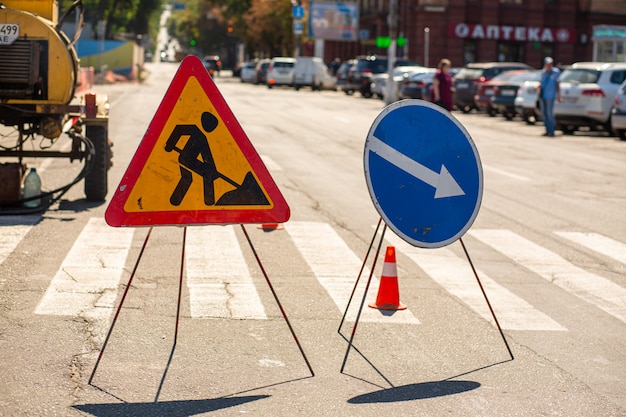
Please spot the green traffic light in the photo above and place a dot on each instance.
(192, 42)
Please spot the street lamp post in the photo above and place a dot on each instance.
(392, 20)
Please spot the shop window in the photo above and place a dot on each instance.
(510, 52)
(469, 52)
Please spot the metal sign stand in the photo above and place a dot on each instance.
(367, 285)
(130, 280)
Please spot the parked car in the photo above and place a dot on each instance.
(618, 115)
(361, 75)
(503, 99)
(248, 74)
(261, 70)
(312, 72)
(588, 92)
(342, 76)
(213, 64)
(280, 71)
(400, 74)
(527, 102)
(418, 85)
(470, 77)
(488, 89)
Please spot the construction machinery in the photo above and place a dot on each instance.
(39, 78)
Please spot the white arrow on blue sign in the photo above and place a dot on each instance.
(423, 173)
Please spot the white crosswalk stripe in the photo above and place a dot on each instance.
(456, 276)
(220, 284)
(592, 288)
(11, 235)
(336, 267)
(218, 278)
(86, 283)
(598, 243)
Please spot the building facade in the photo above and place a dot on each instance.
(467, 31)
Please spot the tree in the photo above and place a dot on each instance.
(269, 27)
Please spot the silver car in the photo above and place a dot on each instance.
(587, 94)
(618, 116)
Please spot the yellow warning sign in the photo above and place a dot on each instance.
(195, 165)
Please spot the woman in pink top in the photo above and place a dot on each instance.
(441, 93)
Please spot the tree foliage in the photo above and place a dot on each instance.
(131, 17)
(269, 27)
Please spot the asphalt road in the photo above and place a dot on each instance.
(549, 245)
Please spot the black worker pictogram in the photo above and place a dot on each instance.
(196, 157)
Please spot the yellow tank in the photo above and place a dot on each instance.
(39, 65)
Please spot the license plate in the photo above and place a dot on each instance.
(508, 92)
(462, 85)
(9, 32)
(489, 91)
(569, 100)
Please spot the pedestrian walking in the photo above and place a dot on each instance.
(549, 92)
(441, 92)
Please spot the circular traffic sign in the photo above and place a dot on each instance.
(423, 173)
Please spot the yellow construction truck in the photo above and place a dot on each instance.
(39, 76)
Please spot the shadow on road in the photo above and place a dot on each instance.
(166, 408)
(415, 392)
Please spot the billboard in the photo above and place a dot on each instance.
(334, 21)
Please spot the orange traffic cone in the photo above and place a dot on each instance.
(388, 297)
(268, 227)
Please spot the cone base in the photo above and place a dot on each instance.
(268, 227)
(398, 306)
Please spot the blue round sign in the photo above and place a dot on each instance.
(423, 173)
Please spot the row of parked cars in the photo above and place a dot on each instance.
(286, 71)
(593, 94)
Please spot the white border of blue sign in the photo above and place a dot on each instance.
(423, 173)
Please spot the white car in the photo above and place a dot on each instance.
(527, 102)
(588, 91)
(248, 72)
(618, 116)
(312, 72)
(280, 71)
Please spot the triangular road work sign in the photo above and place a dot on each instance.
(195, 164)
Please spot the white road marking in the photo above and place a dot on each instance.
(218, 277)
(270, 164)
(592, 288)
(598, 243)
(11, 235)
(455, 275)
(336, 268)
(86, 284)
(505, 173)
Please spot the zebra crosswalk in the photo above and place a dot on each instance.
(87, 281)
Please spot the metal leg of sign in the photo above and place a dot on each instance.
(180, 292)
(280, 306)
(119, 307)
(493, 314)
(369, 249)
(367, 286)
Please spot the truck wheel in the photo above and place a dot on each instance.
(96, 184)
